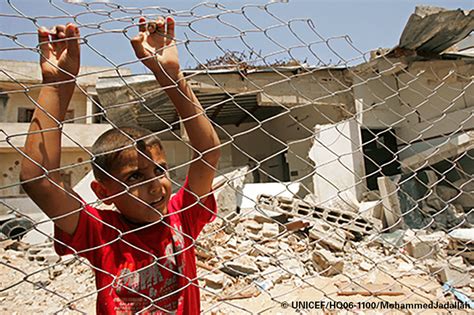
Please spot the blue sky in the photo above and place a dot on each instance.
(337, 26)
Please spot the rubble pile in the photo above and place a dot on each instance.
(36, 278)
(256, 256)
(284, 249)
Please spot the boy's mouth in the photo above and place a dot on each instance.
(158, 202)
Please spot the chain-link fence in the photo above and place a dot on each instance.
(344, 180)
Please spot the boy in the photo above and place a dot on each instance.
(143, 254)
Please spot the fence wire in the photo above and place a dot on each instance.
(344, 181)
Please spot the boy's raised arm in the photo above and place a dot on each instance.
(155, 46)
(43, 143)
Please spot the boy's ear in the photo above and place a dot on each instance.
(101, 192)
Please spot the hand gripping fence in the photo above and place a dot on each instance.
(344, 180)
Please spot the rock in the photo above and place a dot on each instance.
(326, 263)
(242, 266)
(270, 230)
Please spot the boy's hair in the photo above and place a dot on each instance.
(106, 148)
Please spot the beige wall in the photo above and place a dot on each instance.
(16, 100)
(11, 163)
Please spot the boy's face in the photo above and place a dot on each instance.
(149, 187)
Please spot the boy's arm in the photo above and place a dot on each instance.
(156, 48)
(43, 143)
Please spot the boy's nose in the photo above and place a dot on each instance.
(155, 187)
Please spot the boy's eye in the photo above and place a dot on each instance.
(160, 170)
(135, 176)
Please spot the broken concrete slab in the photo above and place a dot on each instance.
(347, 220)
(290, 264)
(457, 145)
(392, 212)
(440, 196)
(347, 288)
(252, 225)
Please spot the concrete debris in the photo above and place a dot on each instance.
(347, 220)
(456, 145)
(242, 255)
(270, 230)
(290, 264)
(240, 266)
(253, 225)
(252, 191)
(333, 238)
(366, 266)
(228, 189)
(418, 201)
(454, 272)
(461, 243)
(43, 255)
(52, 282)
(216, 281)
(465, 187)
(327, 263)
(425, 246)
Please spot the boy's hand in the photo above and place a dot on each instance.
(156, 48)
(63, 54)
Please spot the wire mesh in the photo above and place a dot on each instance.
(344, 181)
